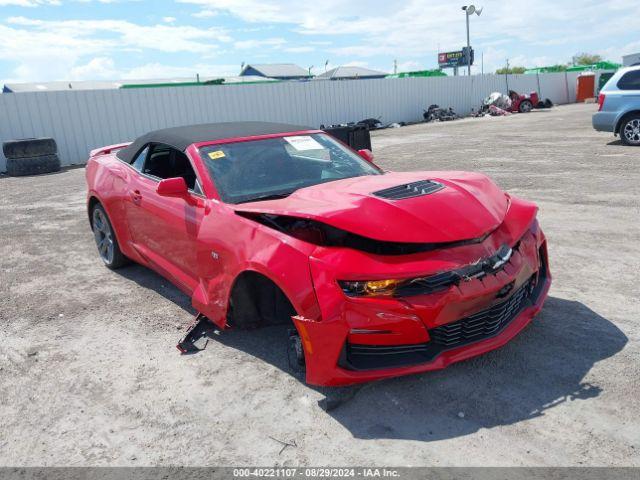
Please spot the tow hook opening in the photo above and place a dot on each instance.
(295, 352)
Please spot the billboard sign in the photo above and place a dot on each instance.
(455, 59)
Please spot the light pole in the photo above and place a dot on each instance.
(470, 10)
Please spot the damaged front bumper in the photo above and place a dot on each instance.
(365, 339)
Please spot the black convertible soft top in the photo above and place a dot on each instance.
(181, 137)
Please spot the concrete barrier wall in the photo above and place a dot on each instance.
(83, 120)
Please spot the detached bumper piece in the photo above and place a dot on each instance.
(200, 328)
(477, 327)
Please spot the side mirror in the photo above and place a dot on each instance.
(173, 187)
(366, 154)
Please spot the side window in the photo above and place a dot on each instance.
(630, 81)
(166, 162)
(138, 162)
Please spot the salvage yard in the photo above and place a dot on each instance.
(89, 372)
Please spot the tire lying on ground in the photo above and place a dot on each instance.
(29, 147)
(31, 156)
(33, 165)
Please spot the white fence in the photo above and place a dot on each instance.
(83, 120)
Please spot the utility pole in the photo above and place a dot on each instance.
(506, 75)
(466, 14)
(468, 11)
(395, 66)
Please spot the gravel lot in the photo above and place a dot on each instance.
(89, 372)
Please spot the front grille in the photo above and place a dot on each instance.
(443, 280)
(479, 326)
(483, 324)
(409, 190)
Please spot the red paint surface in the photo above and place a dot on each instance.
(201, 245)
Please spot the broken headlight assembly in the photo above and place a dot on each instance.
(428, 284)
(369, 288)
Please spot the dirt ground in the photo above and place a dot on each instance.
(89, 372)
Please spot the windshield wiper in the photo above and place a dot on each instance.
(270, 196)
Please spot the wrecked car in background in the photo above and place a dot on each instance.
(378, 273)
(498, 104)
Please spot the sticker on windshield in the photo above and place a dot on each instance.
(216, 155)
(302, 143)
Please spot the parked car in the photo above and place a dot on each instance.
(378, 273)
(523, 103)
(619, 106)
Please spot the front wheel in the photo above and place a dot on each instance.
(526, 106)
(106, 241)
(630, 131)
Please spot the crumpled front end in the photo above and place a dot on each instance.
(424, 325)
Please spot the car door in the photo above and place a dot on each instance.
(165, 229)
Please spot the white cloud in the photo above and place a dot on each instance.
(32, 44)
(256, 43)
(415, 28)
(158, 70)
(300, 49)
(28, 3)
(104, 68)
(364, 31)
(99, 68)
(204, 14)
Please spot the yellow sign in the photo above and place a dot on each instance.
(216, 155)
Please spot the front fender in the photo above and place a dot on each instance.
(249, 246)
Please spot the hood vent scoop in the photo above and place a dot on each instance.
(410, 190)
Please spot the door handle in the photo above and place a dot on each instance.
(136, 196)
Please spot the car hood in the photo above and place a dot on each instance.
(469, 206)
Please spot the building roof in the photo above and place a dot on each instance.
(249, 79)
(351, 72)
(115, 84)
(56, 86)
(278, 70)
(181, 137)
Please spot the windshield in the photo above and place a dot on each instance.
(276, 167)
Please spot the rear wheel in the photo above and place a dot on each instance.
(525, 106)
(630, 131)
(106, 241)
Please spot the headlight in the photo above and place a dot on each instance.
(368, 288)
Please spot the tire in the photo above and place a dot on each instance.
(29, 147)
(548, 103)
(525, 106)
(106, 241)
(630, 131)
(33, 165)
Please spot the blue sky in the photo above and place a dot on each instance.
(43, 40)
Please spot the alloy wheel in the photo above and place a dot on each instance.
(103, 236)
(526, 107)
(632, 131)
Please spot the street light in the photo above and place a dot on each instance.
(470, 10)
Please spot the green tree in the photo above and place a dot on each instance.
(510, 70)
(586, 58)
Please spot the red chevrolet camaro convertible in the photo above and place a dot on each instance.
(381, 273)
